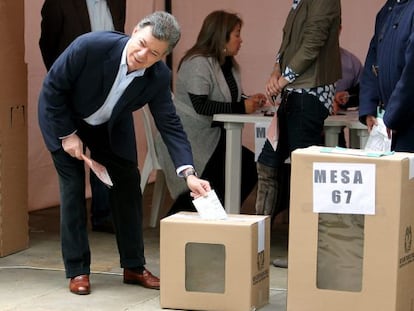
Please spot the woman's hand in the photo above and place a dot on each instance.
(272, 86)
(340, 99)
(275, 84)
(254, 102)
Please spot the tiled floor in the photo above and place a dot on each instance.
(34, 280)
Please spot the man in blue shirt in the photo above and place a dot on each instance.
(87, 100)
(62, 22)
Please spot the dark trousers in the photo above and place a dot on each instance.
(300, 117)
(300, 120)
(214, 172)
(125, 200)
(403, 140)
(100, 207)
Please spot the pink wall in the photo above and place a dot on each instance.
(262, 30)
(263, 22)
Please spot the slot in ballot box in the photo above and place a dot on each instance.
(217, 265)
(350, 233)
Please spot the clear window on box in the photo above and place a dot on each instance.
(340, 252)
(205, 267)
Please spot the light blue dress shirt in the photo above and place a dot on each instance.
(121, 82)
(99, 15)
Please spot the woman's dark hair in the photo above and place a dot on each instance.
(213, 36)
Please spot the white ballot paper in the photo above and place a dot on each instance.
(99, 170)
(209, 207)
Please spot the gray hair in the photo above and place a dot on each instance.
(164, 27)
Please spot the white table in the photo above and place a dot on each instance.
(358, 131)
(233, 124)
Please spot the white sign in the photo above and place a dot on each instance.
(344, 188)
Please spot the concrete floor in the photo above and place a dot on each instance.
(34, 279)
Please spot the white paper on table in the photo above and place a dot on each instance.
(209, 207)
(100, 171)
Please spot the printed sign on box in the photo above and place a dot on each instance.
(344, 188)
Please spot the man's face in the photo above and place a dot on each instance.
(144, 49)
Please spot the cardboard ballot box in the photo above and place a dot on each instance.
(351, 232)
(218, 265)
(14, 228)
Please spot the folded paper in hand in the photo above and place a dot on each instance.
(378, 139)
(210, 207)
(99, 170)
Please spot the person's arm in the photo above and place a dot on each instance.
(316, 30)
(58, 87)
(247, 104)
(199, 187)
(399, 112)
(272, 85)
(369, 98)
(202, 76)
(353, 74)
(353, 97)
(204, 106)
(73, 145)
(51, 30)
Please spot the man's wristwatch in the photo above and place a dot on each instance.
(188, 172)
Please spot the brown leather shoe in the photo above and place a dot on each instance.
(145, 279)
(80, 285)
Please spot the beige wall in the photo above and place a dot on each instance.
(263, 22)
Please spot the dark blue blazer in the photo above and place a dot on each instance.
(391, 51)
(79, 82)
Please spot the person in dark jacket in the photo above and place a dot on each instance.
(387, 79)
(62, 22)
(87, 99)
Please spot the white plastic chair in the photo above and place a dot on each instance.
(150, 164)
